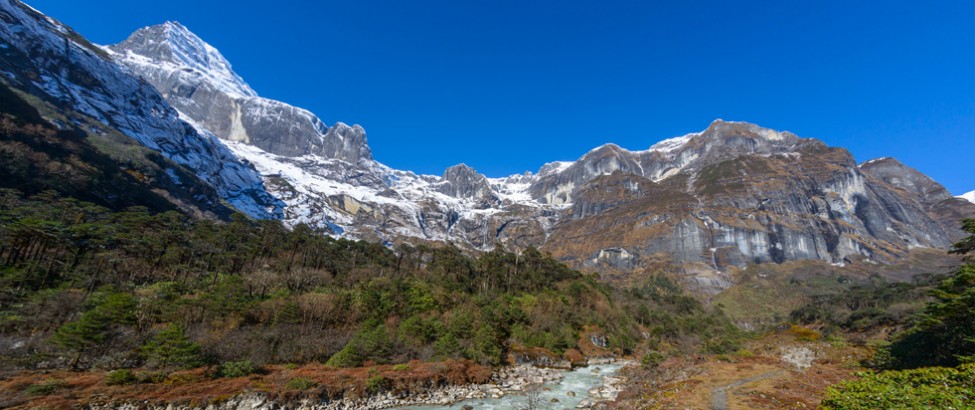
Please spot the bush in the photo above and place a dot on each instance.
(803, 334)
(239, 368)
(744, 353)
(300, 383)
(45, 387)
(347, 357)
(120, 377)
(723, 345)
(652, 359)
(152, 377)
(930, 387)
(376, 384)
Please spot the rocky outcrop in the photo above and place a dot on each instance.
(462, 181)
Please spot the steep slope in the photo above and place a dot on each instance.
(327, 174)
(702, 204)
(748, 196)
(92, 162)
(196, 79)
(44, 58)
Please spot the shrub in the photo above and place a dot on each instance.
(300, 383)
(347, 357)
(744, 353)
(152, 377)
(376, 384)
(652, 359)
(120, 377)
(930, 387)
(723, 345)
(239, 368)
(804, 334)
(45, 387)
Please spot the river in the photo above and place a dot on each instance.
(578, 381)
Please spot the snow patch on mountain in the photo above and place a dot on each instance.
(968, 196)
(184, 50)
(672, 144)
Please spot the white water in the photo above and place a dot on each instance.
(579, 381)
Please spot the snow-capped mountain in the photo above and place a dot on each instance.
(327, 174)
(968, 196)
(196, 79)
(733, 194)
(45, 58)
(730, 195)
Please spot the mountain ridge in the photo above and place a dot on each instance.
(848, 211)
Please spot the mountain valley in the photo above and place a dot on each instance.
(169, 236)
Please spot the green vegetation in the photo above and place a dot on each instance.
(171, 348)
(943, 334)
(866, 306)
(300, 383)
(120, 377)
(239, 368)
(925, 388)
(652, 359)
(170, 292)
(45, 387)
(945, 330)
(376, 384)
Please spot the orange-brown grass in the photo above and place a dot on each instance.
(688, 382)
(79, 389)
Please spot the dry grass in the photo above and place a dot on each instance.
(78, 389)
(688, 383)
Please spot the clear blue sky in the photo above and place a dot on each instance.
(506, 86)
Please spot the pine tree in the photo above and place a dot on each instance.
(82, 335)
(945, 335)
(172, 348)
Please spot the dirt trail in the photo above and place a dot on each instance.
(719, 395)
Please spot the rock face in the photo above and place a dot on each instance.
(701, 204)
(197, 80)
(47, 59)
(738, 194)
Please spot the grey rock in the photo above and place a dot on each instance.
(196, 79)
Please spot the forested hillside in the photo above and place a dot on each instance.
(87, 286)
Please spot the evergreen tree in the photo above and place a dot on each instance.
(945, 335)
(172, 348)
(82, 335)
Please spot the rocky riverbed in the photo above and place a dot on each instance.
(511, 387)
(516, 386)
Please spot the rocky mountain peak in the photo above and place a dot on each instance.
(462, 181)
(199, 82)
(745, 136)
(904, 177)
(347, 143)
(171, 42)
